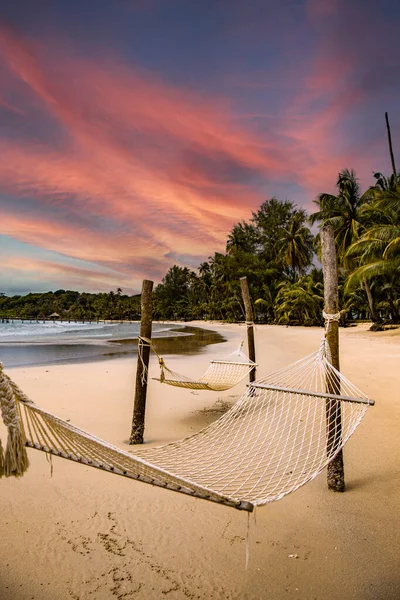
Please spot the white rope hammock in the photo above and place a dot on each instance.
(222, 374)
(280, 434)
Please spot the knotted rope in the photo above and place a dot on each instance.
(142, 342)
(329, 318)
(162, 367)
(14, 461)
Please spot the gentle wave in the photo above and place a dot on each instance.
(62, 331)
(31, 330)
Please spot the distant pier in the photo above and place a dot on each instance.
(8, 319)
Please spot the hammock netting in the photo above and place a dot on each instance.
(280, 434)
(220, 375)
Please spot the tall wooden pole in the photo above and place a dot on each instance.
(335, 472)
(250, 324)
(390, 144)
(139, 409)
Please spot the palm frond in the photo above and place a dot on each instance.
(370, 271)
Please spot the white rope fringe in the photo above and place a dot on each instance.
(14, 460)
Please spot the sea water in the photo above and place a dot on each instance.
(25, 343)
(64, 331)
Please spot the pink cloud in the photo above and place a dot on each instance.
(105, 110)
(90, 99)
(44, 272)
(170, 169)
(125, 255)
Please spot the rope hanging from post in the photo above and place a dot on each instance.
(146, 342)
(142, 342)
(329, 318)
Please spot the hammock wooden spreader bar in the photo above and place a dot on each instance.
(271, 442)
(264, 386)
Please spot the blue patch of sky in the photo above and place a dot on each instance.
(33, 126)
(218, 167)
(188, 260)
(19, 286)
(26, 116)
(185, 42)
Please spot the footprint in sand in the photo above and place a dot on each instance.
(127, 571)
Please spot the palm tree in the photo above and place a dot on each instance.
(384, 184)
(225, 287)
(295, 245)
(378, 248)
(343, 213)
(244, 237)
(300, 302)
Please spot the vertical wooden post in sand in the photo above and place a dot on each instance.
(335, 473)
(250, 324)
(139, 409)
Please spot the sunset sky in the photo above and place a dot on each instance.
(135, 133)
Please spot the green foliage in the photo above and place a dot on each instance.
(300, 302)
(341, 211)
(367, 233)
(275, 246)
(72, 305)
(377, 250)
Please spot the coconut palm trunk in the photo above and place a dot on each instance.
(373, 315)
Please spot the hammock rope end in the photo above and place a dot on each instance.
(162, 365)
(16, 461)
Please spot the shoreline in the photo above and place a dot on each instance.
(178, 339)
(68, 350)
(83, 534)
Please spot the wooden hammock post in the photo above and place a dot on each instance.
(335, 471)
(139, 409)
(250, 324)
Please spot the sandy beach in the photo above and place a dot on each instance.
(73, 532)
